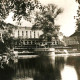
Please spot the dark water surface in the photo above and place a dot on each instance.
(43, 68)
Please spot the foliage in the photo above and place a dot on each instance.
(78, 1)
(7, 35)
(45, 21)
(44, 17)
(78, 16)
(3, 48)
(20, 8)
(18, 41)
(8, 40)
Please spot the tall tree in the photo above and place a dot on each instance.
(44, 16)
(77, 33)
(20, 8)
(78, 16)
(78, 1)
(45, 21)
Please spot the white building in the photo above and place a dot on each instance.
(26, 32)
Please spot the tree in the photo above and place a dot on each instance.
(78, 16)
(8, 40)
(78, 1)
(45, 21)
(3, 48)
(20, 8)
(44, 18)
(77, 32)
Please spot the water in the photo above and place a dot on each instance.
(43, 68)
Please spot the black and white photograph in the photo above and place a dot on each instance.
(39, 40)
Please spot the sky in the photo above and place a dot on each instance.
(65, 20)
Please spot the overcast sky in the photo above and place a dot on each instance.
(65, 20)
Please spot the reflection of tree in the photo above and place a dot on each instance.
(46, 71)
(37, 68)
(59, 62)
(7, 73)
(40, 68)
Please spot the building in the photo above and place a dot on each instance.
(27, 38)
(77, 40)
(26, 33)
(70, 41)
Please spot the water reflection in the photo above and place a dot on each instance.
(43, 68)
(39, 69)
(7, 73)
(69, 73)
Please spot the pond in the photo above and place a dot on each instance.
(43, 68)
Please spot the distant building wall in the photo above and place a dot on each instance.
(71, 41)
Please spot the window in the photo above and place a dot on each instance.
(34, 34)
(22, 33)
(30, 35)
(0, 35)
(27, 34)
(53, 42)
(25, 42)
(56, 42)
(18, 33)
(29, 42)
(33, 42)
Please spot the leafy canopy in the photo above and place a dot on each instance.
(78, 16)
(44, 16)
(45, 21)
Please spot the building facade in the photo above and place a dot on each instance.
(27, 38)
(26, 33)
